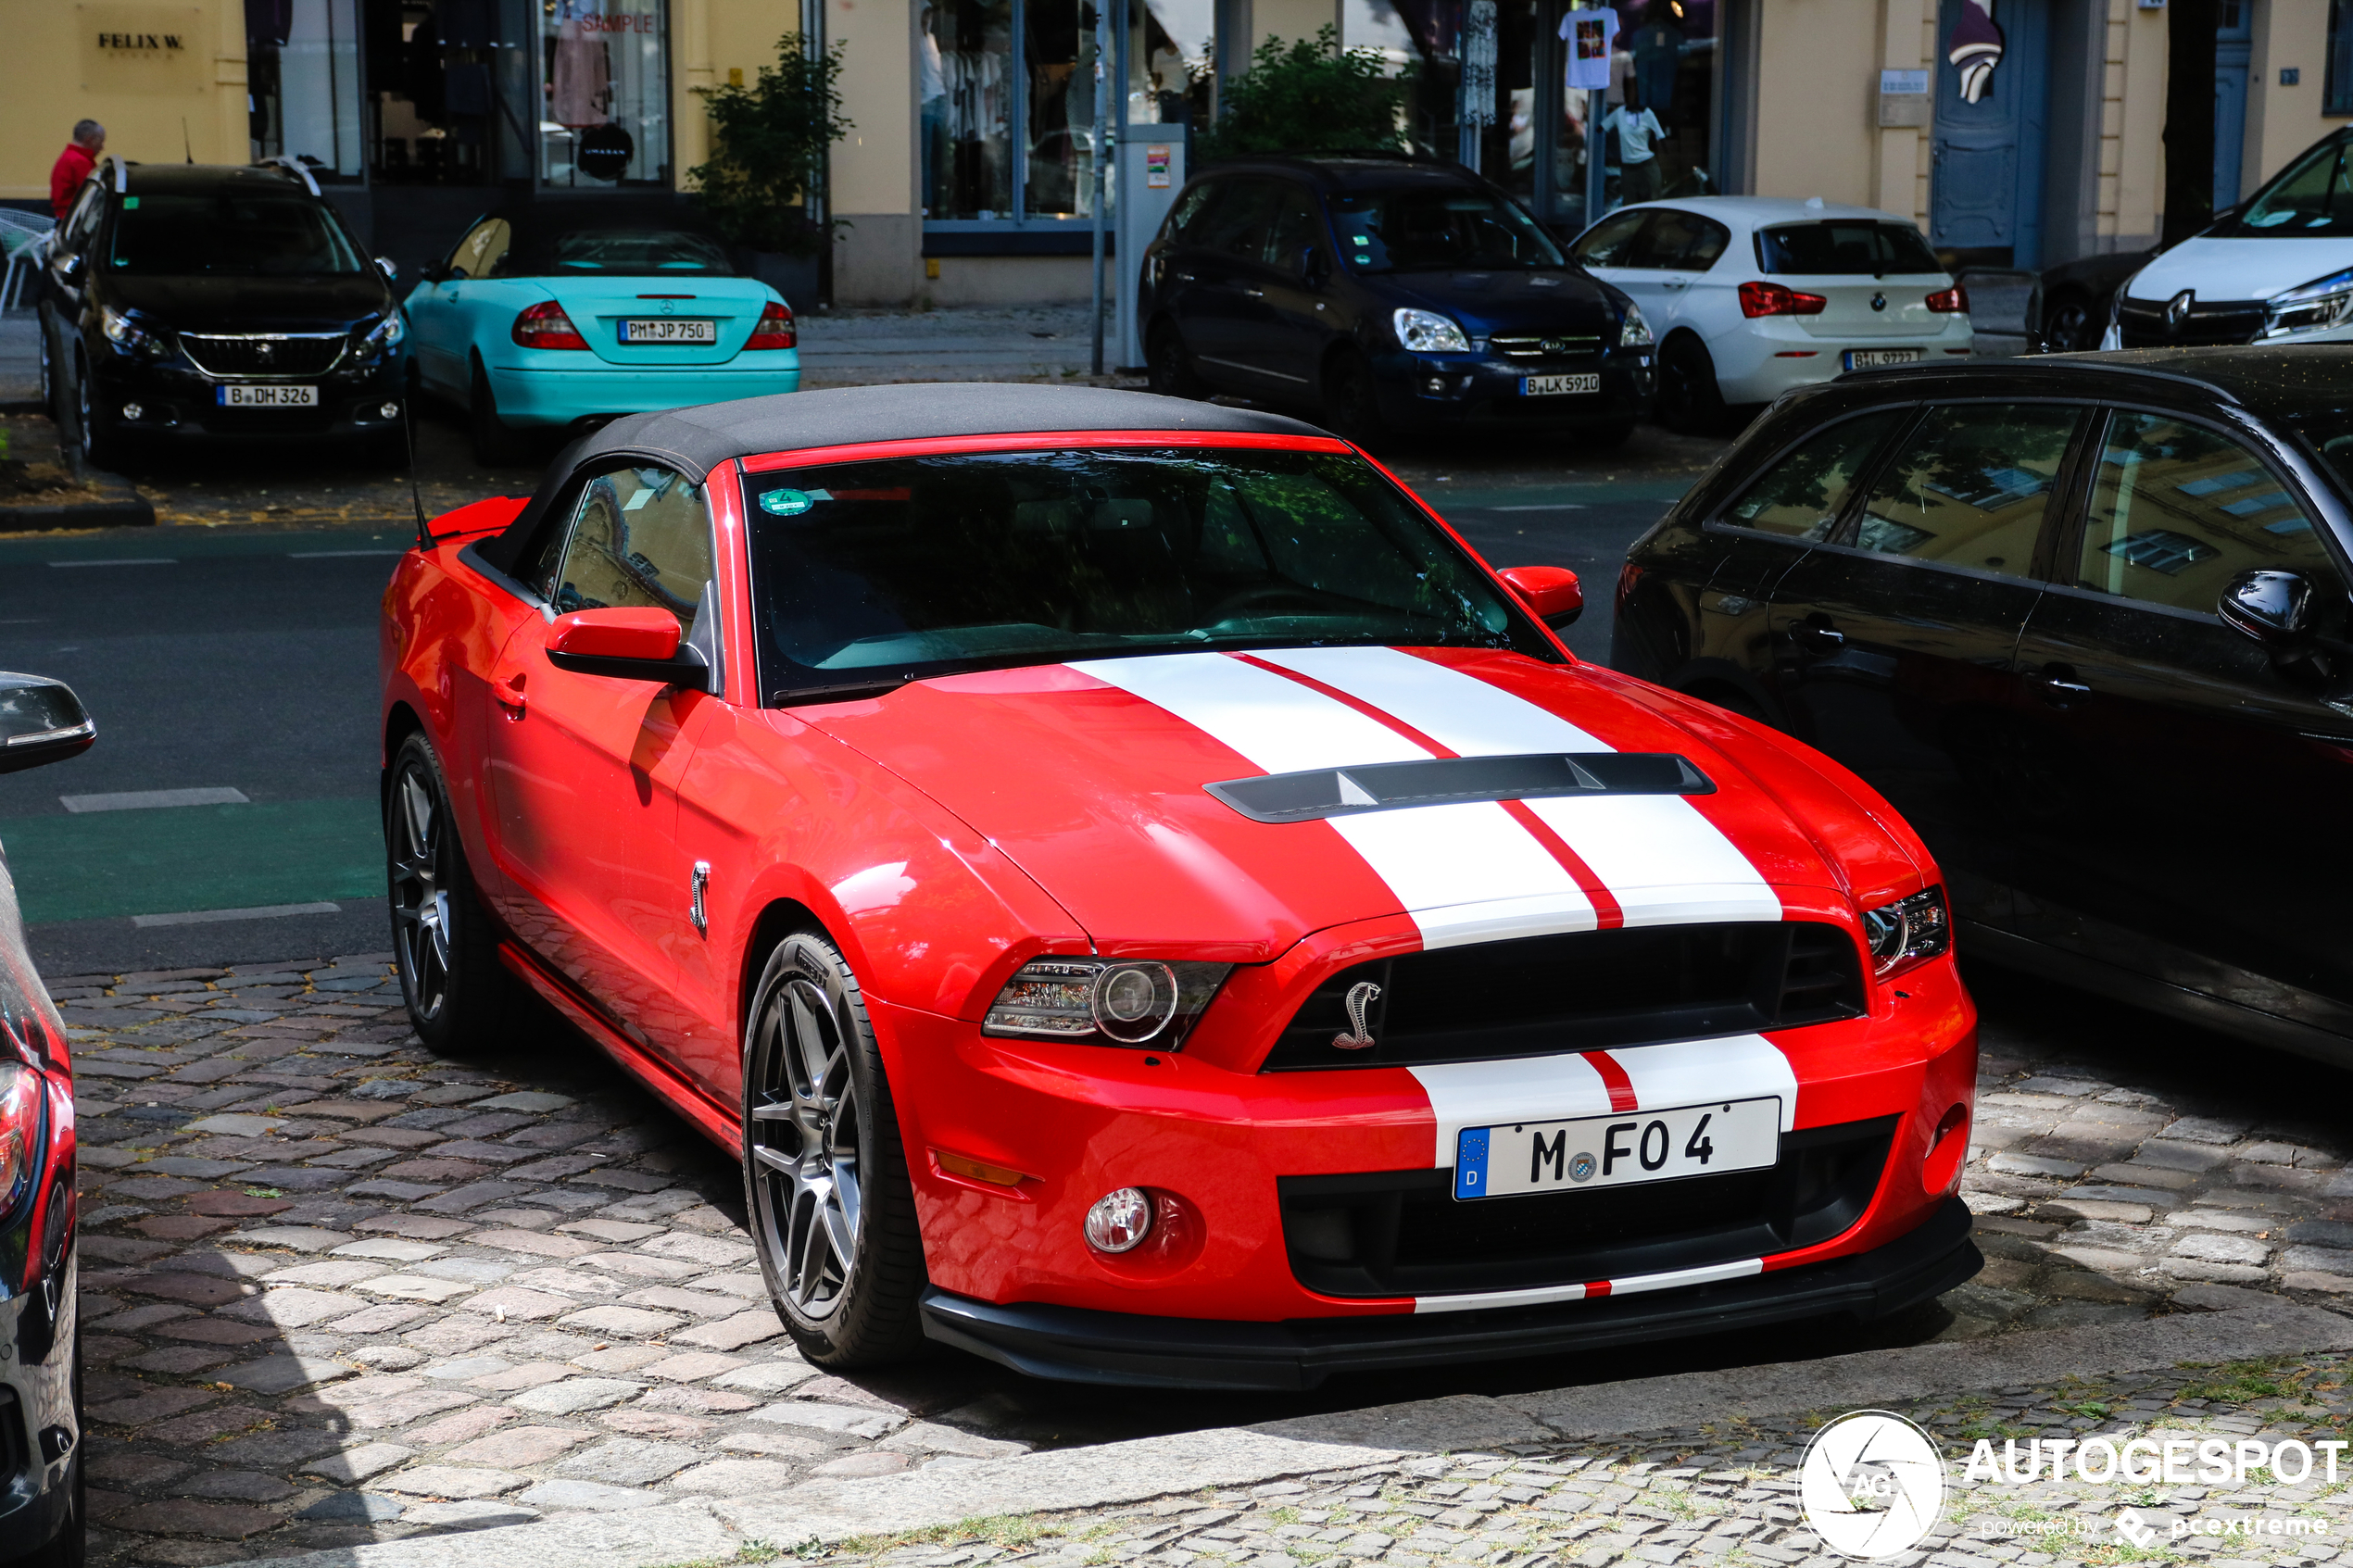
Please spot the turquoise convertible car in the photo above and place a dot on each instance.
(557, 314)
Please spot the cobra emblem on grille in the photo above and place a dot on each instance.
(1361, 997)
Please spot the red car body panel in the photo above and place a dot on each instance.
(945, 834)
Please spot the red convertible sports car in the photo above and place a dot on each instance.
(1148, 903)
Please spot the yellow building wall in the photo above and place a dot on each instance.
(1817, 100)
(57, 75)
(2281, 122)
(1288, 19)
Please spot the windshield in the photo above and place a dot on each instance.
(230, 234)
(634, 252)
(1844, 247)
(875, 573)
(2310, 201)
(1422, 231)
(2331, 431)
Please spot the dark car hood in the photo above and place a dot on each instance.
(1553, 301)
(250, 304)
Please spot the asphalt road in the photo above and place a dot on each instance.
(238, 658)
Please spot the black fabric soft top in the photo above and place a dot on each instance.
(695, 441)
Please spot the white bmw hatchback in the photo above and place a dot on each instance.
(1753, 295)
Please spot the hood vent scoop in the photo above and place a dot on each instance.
(1388, 786)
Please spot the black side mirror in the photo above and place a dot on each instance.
(389, 267)
(70, 269)
(41, 720)
(2275, 608)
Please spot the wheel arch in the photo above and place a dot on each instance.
(778, 919)
(400, 722)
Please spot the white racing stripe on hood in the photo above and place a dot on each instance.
(1695, 1072)
(1489, 1094)
(1659, 855)
(1464, 873)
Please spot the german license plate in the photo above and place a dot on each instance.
(1864, 358)
(1560, 386)
(664, 329)
(235, 396)
(1607, 1151)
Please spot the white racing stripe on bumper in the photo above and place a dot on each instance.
(1528, 1088)
(1543, 1295)
(1659, 855)
(1464, 873)
(1696, 1072)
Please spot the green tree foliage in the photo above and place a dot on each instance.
(1308, 96)
(768, 146)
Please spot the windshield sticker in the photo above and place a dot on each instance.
(792, 503)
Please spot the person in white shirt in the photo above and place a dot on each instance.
(1637, 127)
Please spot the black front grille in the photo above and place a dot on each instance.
(1583, 991)
(2143, 324)
(264, 354)
(1550, 346)
(267, 422)
(1402, 1232)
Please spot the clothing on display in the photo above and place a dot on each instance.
(1590, 36)
(1635, 132)
(1658, 56)
(582, 79)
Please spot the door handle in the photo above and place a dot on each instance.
(1253, 294)
(1812, 637)
(509, 695)
(1672, 283)
(1182, 277)
(2057, 684)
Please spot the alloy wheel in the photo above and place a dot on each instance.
(420, 889)
(83, 416)
(807, 1157)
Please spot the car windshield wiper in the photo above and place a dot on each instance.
(840, 691)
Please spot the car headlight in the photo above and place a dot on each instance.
(20, 1131)
(1634, 332)
(1908, 932)
(387, 333)
(123, 332)
(2316, 306)
(1105, 1001)
(1426, 331)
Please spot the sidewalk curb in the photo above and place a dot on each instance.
(1113, 1473)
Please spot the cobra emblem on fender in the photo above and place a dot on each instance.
(1361, 997)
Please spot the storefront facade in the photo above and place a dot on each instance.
(2018, 132)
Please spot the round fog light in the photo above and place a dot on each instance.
(1119, 1221)
(390, 410)
(132, 410)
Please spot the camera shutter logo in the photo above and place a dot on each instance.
(1872, 1485)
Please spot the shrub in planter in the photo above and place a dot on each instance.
(1308, 96)
(768, 150)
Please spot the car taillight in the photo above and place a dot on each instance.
(545, 325)
(1627, 576)
(775, 330)
(1774, 299)
(1946, 302)
(20, 1131)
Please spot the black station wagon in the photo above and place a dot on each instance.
(2083, 620)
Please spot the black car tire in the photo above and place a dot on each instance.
(2070, 325)
(52, 395)
(1689, 403)
(101, 449)
(825, 1188)
(1169, 367)
(1351, 401)
(495, 443)
(461, 1001)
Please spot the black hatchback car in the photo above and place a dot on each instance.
(2084, 621)
(199, 301)
(1385, 294)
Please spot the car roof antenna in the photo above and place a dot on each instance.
(185, 146)
(409, 428)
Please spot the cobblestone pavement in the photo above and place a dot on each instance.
(1730, 1495)
(335, 1290)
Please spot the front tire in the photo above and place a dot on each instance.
(1351, 402)
(833, 1214)
(101, 449)
(1690, 401)
(1170, 369)
(461, 1001)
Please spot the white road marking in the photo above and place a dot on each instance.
(150, 799)
(141, 560)
(261, 911)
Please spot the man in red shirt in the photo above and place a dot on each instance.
(74, 165)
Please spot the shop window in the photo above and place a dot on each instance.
(448, 90)
(302, 70)
(2337, 93)
(604, 74)
(1006, 91)
(1170, 49)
